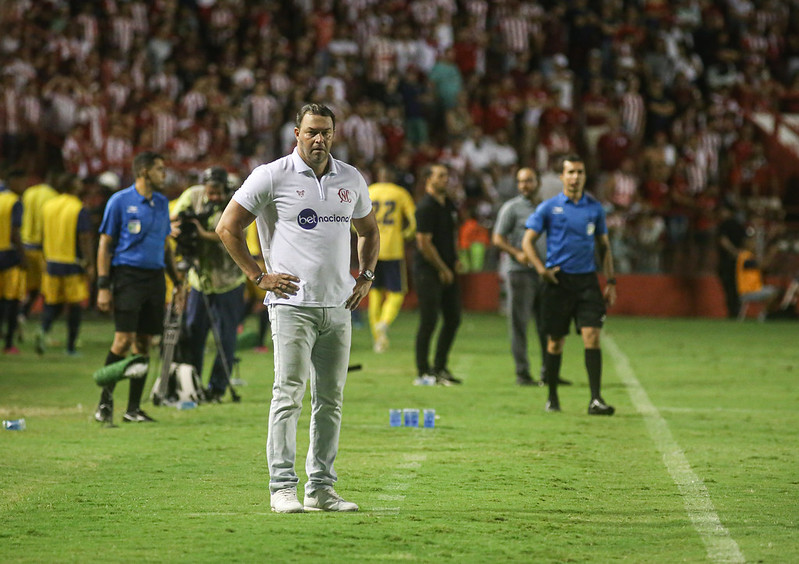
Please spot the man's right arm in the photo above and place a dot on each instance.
(500, 240)
(232, 232)
(424, 242)
(528, 246)
(104, 272)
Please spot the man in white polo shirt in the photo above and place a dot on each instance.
(303, 205)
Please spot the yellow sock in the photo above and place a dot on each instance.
(375, 307)
(392, 306)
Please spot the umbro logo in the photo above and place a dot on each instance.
(301, 193)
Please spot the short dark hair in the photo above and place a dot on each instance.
(315, 110)
(571, 157)
(427, 170)
(144, 161)
(64, 184)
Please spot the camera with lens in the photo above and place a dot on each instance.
(187, 243)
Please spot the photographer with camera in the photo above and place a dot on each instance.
(216, 295)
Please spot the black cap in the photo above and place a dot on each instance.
(215, 174)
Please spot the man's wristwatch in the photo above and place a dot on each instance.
(259, 278)
(367, 274)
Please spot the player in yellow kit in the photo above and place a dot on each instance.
(395, 214)
(12, 258)
(69, 258)
(33, 199)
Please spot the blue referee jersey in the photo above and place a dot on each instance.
(139, 228)
(570, 228)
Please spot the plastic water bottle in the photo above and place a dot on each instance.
(14, 425)
(395, 417)
(411, 417)
(187, 404)
(429, 418)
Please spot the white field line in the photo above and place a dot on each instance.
(398, 482)
(720, 546)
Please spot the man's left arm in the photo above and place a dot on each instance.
(368, 250)
(606, 255)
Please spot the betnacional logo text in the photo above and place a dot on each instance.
(308, 219)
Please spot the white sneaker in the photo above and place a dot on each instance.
(326, 499)
(425, 380)
(285, 501)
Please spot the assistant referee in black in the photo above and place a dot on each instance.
(574, 223)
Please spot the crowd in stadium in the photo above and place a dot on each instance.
(656, 95)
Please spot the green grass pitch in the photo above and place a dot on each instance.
(699, 464)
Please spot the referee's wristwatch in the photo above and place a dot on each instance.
(367, 274)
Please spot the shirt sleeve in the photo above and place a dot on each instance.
(425, 219)
(503, 225)
(538, 220)
(182, 203)
(111, 218)
(84, 221)
(364, 204)
(601, 224)
(16, 214)
(256, 191)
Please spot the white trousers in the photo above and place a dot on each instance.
(308, 342)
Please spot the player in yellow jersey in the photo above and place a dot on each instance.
(12, 258)
(395, 214)
(255, 296)
(33, 199)
(69, 257)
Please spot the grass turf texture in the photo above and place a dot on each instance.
(498, 478)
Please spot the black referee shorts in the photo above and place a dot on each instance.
(576, 297)
(139, 296)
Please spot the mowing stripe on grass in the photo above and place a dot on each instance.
(720, 546)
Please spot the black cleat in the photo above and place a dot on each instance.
(445, 378)
(599, 407)
(526, 380)
(137, 416)
(104, 413)
(553, 406)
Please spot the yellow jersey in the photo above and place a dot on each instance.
(253, 243)
(747, 273)
(60, 228)
(395, 213)
(8, 209)
(33, 200)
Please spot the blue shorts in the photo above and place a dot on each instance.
(390, 275)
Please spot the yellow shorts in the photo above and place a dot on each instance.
(34, 268)
(12, 283)
(67, 289)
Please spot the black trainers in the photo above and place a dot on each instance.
(526, 380)
(213, 395)
(599, 407)
(104, 413)
(561, 382)
(445, 378)
(553, 406)
(137, 416)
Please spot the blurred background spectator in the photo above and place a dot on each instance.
(664, 99)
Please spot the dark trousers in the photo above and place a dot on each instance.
(226, 311)
(435, 297)
(728, 283)
(524, 301)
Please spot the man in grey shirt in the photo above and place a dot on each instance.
(522, 282)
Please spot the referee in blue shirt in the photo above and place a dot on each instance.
(131, 259)
(574, 223)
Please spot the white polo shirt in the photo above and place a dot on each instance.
(304, 225)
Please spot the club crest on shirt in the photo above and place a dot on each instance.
(344, 195)
(301, 193)
(590, 228)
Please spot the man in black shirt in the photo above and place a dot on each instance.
(436, 284)
(731, 234)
